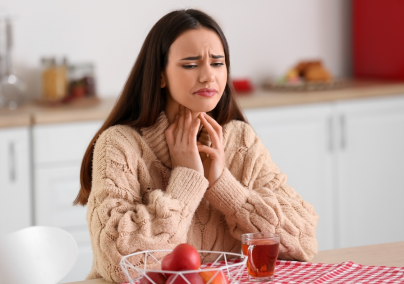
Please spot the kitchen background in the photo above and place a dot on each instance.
(265, 37)
(342, 149)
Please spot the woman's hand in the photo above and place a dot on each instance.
(181, 140)
(212, 157)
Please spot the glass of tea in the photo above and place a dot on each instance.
(262, 251)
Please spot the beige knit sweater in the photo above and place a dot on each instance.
(138, 202)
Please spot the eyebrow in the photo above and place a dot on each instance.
(199, 57)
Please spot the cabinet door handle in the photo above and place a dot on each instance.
(343, 132)
(11, 161)
(330, 135)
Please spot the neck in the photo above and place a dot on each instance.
(172, 108)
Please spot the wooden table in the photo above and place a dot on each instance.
(391, 254)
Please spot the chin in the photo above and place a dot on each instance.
(205, 105)
(202, 108)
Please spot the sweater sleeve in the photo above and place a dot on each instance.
(262, 202)
(120, 221)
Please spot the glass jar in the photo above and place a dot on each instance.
(81, 80)
(54, 79)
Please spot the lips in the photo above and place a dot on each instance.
(206, 92)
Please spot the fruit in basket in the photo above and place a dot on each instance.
(183, 257)
(220, 278)
(193, 278)
(157, 278)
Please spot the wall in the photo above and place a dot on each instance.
(265, 37)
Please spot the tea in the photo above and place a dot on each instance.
(263, 260)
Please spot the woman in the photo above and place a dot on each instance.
(176, 161)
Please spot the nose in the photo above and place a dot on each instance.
(207, 75)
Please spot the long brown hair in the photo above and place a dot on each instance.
(142, 98)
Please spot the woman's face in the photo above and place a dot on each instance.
(196, 73)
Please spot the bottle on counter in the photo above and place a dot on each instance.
(54, 79)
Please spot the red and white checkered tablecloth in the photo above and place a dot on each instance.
(322, 273)
(347, 272)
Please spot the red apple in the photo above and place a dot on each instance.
(220, 278)
(158, 278)
(183, 257)
(193, 278)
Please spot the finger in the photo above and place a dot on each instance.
(216, 126)
(216, 141)
(194, 131)
(187, 126)
(209, 151)
(201, 154)
(180, 128)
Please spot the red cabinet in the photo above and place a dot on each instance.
(378, 39)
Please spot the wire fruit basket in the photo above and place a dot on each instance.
(231, 265)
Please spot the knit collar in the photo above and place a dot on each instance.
(156, 139)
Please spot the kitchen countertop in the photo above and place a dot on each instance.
(79, 110)
(96, 109)
(390, 254)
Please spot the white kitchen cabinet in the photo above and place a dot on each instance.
(300, 141)
(64, 142)
(347, 159)
(58, 152)
(371, 171)
(15, 180)
(56, 188)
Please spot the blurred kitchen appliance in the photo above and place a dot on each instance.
(12, 89)
(378, 39)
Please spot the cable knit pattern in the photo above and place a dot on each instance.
(138, 202)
